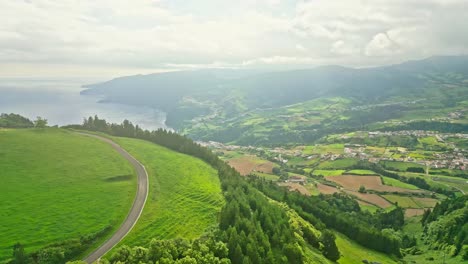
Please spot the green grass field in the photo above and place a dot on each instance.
(57, 185)
(362, 172)
(267, 176)
(184, 198)
(399, 165)
(352, 253)
(396, 183)
(403, 201)
(338, 164)
(328, 172)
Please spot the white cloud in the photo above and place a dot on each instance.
(381, 45)
(156, 34)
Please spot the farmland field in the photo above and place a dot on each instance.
(353, 182)
(325, 189)
(425, 202)
(57, 185)
(338, 164)
(328, 172)
(362, 172)
(411, 212)
(247, 164)
(371, 198)
(184, 197)
(403, 201)
(396, 183)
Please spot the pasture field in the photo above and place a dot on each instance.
(403, 201)
(267, 176)
(441, 181)
(338, 164)
(352, 253)
(425, 202)
(57, 185)
(367, 206)
(184, 194)
(354, 182)
(323, 149)
(400, 165)
(362, 172)
(396, 183)
(328, 172)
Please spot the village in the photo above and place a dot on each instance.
(453, 158)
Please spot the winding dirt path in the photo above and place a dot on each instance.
(137, 207)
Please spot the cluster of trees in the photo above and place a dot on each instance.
(56, 253)
(253, 229)
(446, 226)
(18, 121)
(342, 213)
(179, 251)
(15, 121)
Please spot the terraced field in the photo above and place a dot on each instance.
(184, 197)
(57, 185)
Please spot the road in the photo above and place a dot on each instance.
(137, 207)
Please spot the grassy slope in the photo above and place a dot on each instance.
(54, 187)
(185, 195)
(352, 253)
(396, 183)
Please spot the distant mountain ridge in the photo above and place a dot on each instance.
(227, 93)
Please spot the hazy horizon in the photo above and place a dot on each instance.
(107, 39)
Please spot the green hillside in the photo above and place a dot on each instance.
(301, 106)
(57, 185)
(184, 197)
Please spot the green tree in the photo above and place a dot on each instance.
(362, 189)
(330, 250)
(40, 122)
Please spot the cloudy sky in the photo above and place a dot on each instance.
(91, 38)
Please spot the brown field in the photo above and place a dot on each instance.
(410, 212)
(295, 187)
(325, 189)
(247, 164)
(266, 167)
(353, 182)
(425, 202)
(371, 198)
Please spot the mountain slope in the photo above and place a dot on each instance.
(207, 104)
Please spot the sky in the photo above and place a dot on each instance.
(68, 38)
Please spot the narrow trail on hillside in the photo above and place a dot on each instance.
(137, 207)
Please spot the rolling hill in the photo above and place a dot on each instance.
(60, 187)
(300, 105)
